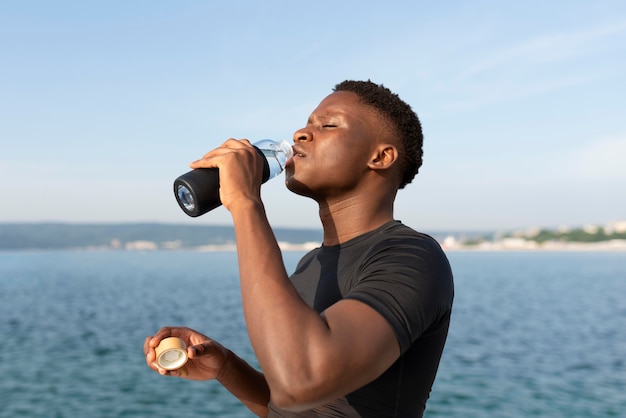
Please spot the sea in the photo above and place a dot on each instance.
(533, 334)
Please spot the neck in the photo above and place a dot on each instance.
(350, 217)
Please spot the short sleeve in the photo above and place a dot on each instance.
(409, 282)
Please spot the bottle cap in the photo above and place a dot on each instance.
(171, 353)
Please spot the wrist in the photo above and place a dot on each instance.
(246, 206)
(226, 366)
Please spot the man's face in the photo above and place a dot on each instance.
(331, 153)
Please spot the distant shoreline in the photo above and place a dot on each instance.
(166, 237)
(606, 246)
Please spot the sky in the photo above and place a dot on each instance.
(104, 104)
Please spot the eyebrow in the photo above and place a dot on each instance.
(328, 113)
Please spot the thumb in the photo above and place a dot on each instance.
(205, 348)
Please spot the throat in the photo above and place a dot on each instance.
(345, 223)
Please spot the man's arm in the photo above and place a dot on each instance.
(307, 358)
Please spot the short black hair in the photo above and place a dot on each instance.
(401, 116)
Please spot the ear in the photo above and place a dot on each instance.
(384, 156)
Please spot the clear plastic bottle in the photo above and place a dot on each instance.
(197, 191)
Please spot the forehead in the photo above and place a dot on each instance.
(344, 103)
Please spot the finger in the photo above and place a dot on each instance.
(228, 146)
(150, 354)
(210, 159)
(182, 372)
(235, 143)
(199, 350)
(146, 345)
(164, 372)
(163, 333)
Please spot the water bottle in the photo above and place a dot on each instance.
(197, 191)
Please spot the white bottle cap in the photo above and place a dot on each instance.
(171, 353)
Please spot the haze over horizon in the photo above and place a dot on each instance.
(103, 105)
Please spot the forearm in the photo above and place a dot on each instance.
(284, 331)
(245, 383)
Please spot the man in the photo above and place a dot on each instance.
(359, 328)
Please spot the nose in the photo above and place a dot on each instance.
(301, 135)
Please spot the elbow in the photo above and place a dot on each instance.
(300, 395)
(286, 402)
(292, 401)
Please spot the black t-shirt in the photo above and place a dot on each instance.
(405, 276)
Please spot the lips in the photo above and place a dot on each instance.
(298, 152)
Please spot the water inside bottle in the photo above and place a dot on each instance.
(276, 161)
(276, 153)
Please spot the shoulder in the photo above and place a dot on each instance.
(398, 238)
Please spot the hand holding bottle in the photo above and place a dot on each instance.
(228, 173)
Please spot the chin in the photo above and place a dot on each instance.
(297, 187)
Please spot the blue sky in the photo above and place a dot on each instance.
(523, 104)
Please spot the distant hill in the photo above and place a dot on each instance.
(49, 236)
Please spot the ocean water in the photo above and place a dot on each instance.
(533, 334)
